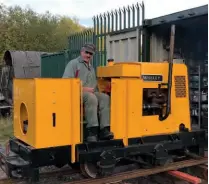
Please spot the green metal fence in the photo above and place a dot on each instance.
(77, 40)
(115, 22)
(53, 65)
(111, 22)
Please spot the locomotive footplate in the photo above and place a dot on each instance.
(150, 150)
(26, 160)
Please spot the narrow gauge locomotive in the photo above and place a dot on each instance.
(150, 119)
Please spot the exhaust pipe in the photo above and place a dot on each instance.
(170, 71)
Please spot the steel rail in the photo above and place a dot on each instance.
(141, 172)
(49, 174)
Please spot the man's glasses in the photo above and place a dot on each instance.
(89, 53)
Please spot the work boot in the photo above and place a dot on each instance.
(92, 134)
(105, 134)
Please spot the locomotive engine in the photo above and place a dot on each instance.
(150, 119)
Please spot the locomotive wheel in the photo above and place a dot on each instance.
(89, 170)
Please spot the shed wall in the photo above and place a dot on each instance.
(124, 46)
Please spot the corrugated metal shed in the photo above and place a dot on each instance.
(191, 35)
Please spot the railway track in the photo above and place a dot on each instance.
(116, 178)
(142, 172)
(48, 174)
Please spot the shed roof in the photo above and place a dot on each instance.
(185, 14)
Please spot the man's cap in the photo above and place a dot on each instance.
(89, 47)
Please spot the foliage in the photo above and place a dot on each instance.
(6, 129)
(24, 29)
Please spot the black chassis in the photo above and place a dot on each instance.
(152, 150)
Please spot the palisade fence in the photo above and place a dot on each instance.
(113, 22)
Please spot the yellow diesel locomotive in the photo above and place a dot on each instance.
(150, 119)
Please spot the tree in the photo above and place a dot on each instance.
(24, 29)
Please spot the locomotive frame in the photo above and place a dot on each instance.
(152, 150)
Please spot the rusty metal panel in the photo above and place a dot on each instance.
(26, 64)
(157, 52)
(18, 64)
(124, 46)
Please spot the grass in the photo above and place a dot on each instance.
(6, 129)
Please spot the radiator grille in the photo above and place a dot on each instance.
(180, 86)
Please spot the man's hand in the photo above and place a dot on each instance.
(87, 89)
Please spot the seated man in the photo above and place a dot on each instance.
(81, 67)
